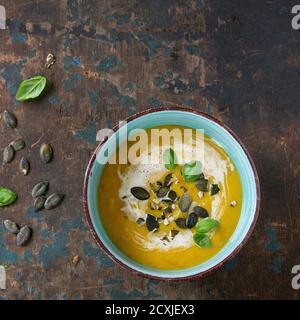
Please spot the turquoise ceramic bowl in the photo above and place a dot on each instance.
(235, 149)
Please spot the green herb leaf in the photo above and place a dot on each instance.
(207, 225)
(31, 88)
(7, 197)
(170, 159)
(202, 240)
(191, 171)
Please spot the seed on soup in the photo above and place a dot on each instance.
(214, 189)
(162, 192)
(168, 210)
(168, 180)
(202, 185)
(191, 220)
(140, 193)
(181, 223)
(152, 223)
(200, 212)
(185, 202)
(172, 195)
(174, 233)
(140, 221)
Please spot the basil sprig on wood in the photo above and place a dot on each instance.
(191, 171)
(203, 227)
(7, 197)
(170, 159)
(31, 88)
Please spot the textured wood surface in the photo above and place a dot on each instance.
(236, 60)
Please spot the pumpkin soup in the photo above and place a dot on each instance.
(171, 214)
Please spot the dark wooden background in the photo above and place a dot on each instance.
(236, 60)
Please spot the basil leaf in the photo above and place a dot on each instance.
(191, 171)
(207, 225)
(170, 159)
(7, 197)
(31, 88)
(202, 240)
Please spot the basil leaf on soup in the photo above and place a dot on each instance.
(202, 240)
(31, 88)
(7, 197)
(170, 159)
(191, 171)
(206, 225)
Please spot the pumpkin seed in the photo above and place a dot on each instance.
(46, 152)
(11, 226)
(75, 260)
(23, 236)
(168, 210)
(152, 223)
(214, 189)
(50, 60)
(40, 189)
(181, 223)
(202, 185)
(9, 119)
(165, 238)
(168, 180)
(24, 166)
(39, 203)
(140, 193)
(162, 192)
(54, 200)
(185, 202)
(155, 186)
(8, 154)
(153, 206)
(174, 233)
(172, 195)
(200, 212)
(166, 201)
(18, 144)
(140, 221)
(191, 220)
(192, 206)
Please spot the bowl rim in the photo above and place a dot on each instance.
(202, 273)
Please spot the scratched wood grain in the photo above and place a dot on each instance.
(236, 60)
